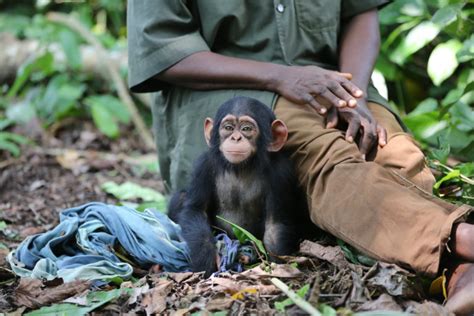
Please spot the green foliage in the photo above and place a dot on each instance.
(51, 90)
(244, 235)
(427, 59)
(107, 112)
(131, 191)
(281, 305)
(94, 300)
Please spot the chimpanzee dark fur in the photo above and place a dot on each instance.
(261, 194)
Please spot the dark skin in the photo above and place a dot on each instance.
(245, 179)
(340, 96)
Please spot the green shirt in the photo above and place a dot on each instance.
(163, 32)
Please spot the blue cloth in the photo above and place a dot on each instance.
(83, 245)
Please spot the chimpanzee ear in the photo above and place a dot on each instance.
(208, 125)
(279, 135)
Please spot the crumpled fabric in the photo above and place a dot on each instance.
(86, 245)
(230, 251)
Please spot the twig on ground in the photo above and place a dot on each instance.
(122, 90)
(300, 302)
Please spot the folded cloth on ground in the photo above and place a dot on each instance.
(85, 242)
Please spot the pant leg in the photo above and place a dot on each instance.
(373, 208)
(401, 152)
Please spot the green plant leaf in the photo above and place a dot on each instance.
(161, 206)
(466, 53)
(450, 176)
(3, 225)
(447, 14)
(281, 305)
(113, 105)
(9, 142)
(20, 113)
(43, 64)
(425, 125)
(71, 48)
(443, 62)
(94, 300)
(466, 169)
(417, 38)
(4, 123)
(104, 121)
(130, 190)
(245, 235)
(327, 310)
(442, 152)
(10, 147)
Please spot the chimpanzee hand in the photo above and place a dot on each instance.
(359, 120)
(303, 84)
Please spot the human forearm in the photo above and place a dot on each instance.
(300, 84)
(208, 70)
(359, 47)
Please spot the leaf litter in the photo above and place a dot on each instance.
(42, 182)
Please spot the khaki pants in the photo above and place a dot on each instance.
(383, 207)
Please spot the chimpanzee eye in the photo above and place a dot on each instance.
(246, 128)
(228, 127)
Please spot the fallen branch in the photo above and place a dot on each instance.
(122, 90)
(301, 303)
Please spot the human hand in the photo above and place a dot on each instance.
(359, 121)
(304, 84)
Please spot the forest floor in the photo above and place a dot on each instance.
(67, 166)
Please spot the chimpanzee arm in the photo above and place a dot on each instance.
(195, 217)
(285, 208)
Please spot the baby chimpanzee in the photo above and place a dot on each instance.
(244, 178)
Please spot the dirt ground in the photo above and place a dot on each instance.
(66, 167)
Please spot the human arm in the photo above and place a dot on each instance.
(300, 84)
(359, 48)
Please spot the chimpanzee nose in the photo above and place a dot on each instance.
(236, 136)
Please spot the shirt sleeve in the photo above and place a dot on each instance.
(354, 7)
(160, 34)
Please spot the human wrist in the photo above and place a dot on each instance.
(273, 77)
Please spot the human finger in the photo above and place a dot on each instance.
(368, 139)
(332, 118)
(352, 89)
(309, 99)
(327, 94)
(346, 75)
(342, 93)
(382, 134)
(352, 130)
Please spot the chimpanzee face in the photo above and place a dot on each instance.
(238, 137)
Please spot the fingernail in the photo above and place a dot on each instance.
(383, 143)
(342, 103)
(322, 111)
(363, 157)
(352, 102)
(350, 139)
(359, 93)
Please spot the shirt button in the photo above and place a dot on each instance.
(280, 8)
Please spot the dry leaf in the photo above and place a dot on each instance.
(154, 301)
(219, 304)
(384, 302)
(395, 281)
(277, 271)
(331, 254)
(33, 293)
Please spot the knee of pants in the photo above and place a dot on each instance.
(403, 154)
